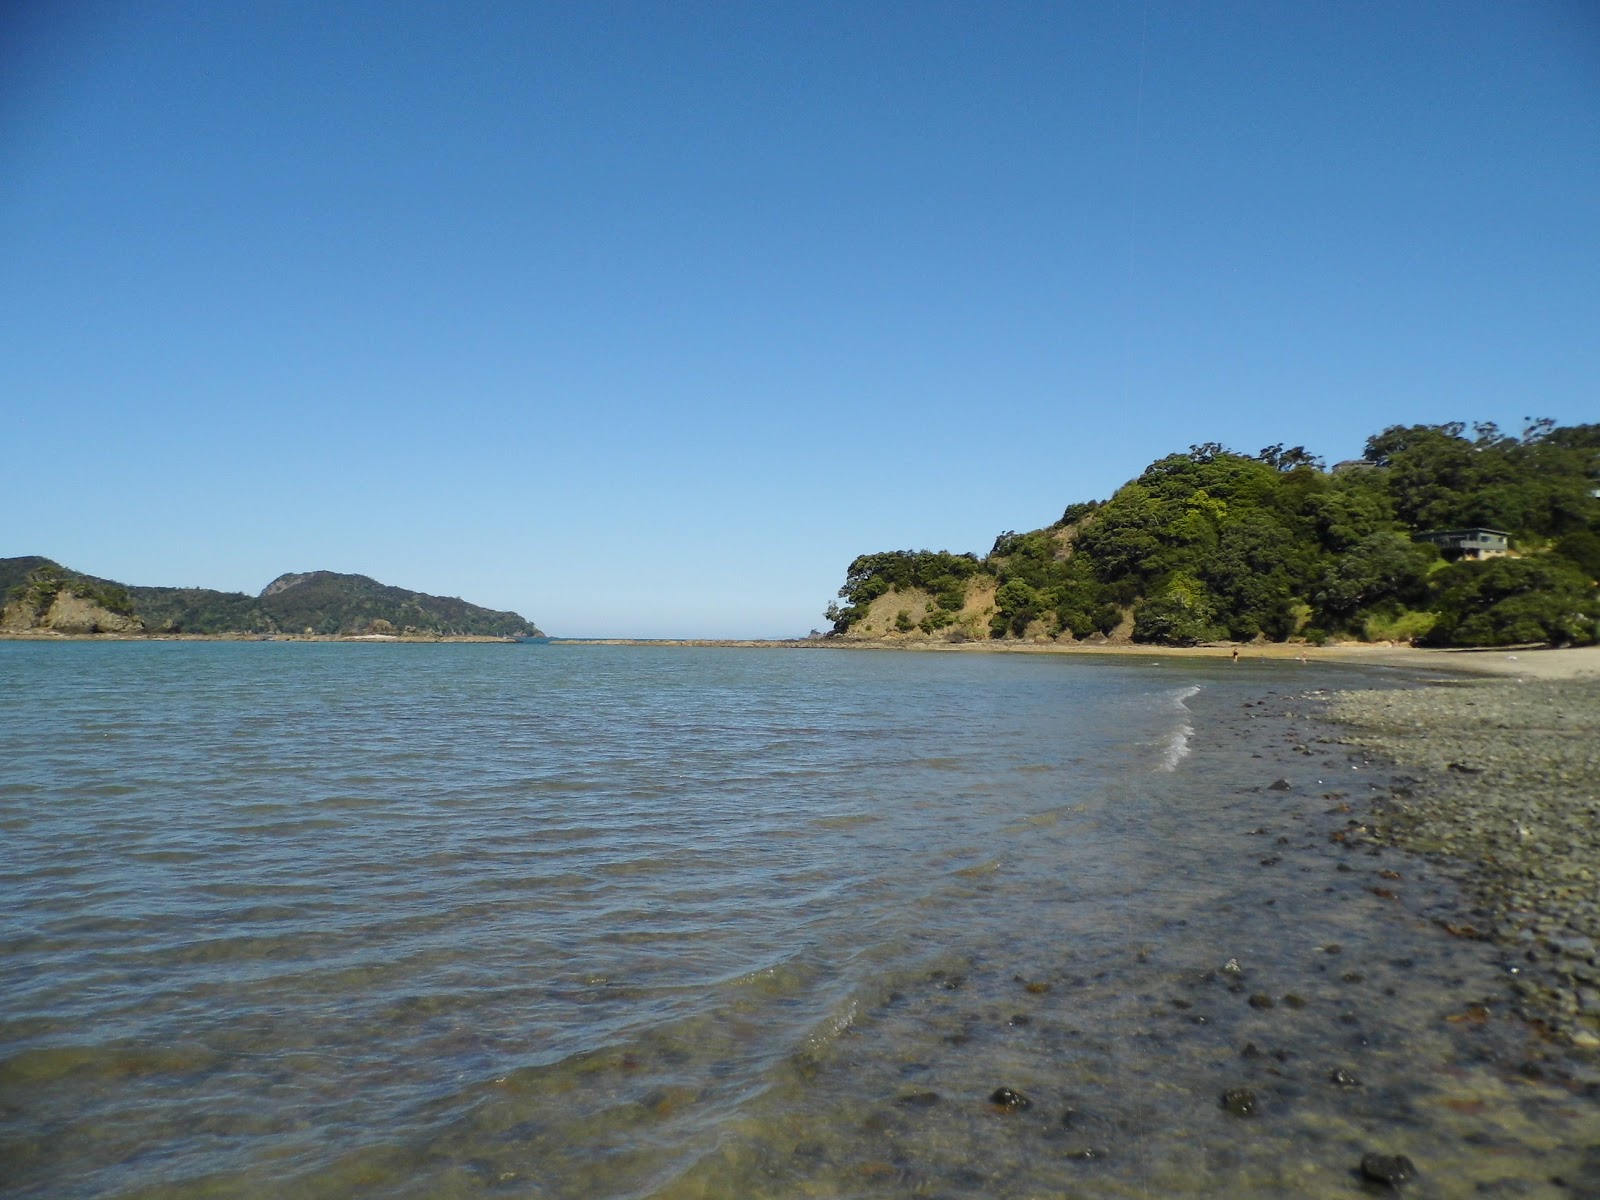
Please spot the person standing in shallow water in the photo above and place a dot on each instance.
(1236, 654)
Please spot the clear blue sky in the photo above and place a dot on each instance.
(647, 318)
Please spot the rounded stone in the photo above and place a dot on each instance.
(1239, 1102)
(1007, 1100)
(1392, 1169)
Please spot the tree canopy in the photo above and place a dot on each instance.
(1214, 544)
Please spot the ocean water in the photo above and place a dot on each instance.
(584, 921)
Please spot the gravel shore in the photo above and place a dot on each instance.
(1507, 793)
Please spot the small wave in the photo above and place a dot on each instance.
(832, 1026)
(978, 870)
(1176, 748)
(847, 821)
(1051, 816)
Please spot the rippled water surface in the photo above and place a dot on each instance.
(573, 921)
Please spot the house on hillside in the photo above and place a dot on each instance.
(1477, 542)
(1354, 464)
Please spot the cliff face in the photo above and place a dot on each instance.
(69, 613)
(903, 615)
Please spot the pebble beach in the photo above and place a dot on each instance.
(1503, 790)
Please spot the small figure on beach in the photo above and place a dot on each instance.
(1236, 654)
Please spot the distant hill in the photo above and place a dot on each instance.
(38, 593)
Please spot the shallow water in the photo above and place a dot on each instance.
(574, 921)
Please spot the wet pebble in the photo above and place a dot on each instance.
(1239, 1102)
(1261, 1000)
(1007, 1100)
(1391, 1169)
(1344, 1078)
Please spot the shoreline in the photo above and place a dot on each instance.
(1522, 662)
(53, 636)
(1518, 662)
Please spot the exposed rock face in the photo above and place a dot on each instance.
(284, 582)
(68, 613)
(883, 621)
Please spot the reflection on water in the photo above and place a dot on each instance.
(594, 921)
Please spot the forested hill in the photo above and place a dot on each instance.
(1214, 544)
(33, 591)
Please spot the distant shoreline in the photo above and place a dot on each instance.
(46, 635)
(1520, 662)
(1579, 663)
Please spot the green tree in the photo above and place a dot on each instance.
(1016, 604)
(1180, 613)
(1581, 548)
(1506, 601)
(1385, 570)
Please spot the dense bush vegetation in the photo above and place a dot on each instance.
(1214, 544)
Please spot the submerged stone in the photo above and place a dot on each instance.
(1392, 1169)
(1007, 1100)
(1239, 1102)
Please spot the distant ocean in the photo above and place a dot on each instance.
(327, 920)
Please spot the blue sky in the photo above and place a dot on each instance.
(644, 319)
